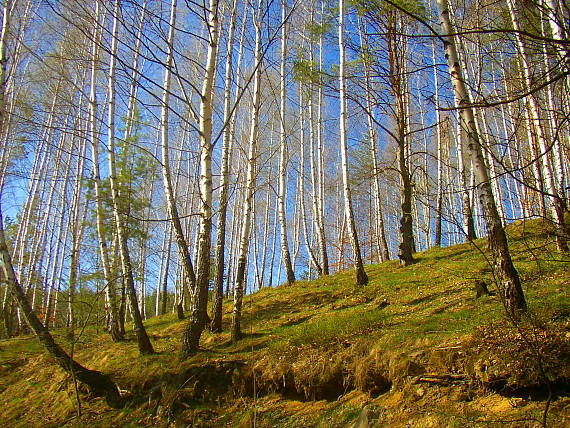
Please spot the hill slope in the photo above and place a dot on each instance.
(414, 347)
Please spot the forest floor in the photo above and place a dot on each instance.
(415, 347)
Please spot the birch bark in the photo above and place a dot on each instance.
(283, 151)
(361, 277)
(183, 249)
(381, 242)
(236, 333)
(320, 160)
(198, 314)
(97, 382)
(111, 294)
(143, 341)
(216, 324)
(556, 202)
(509, 281)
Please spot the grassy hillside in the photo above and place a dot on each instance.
(415, 347)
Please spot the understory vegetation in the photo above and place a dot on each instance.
(415, 346)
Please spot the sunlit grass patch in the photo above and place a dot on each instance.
(338, 325)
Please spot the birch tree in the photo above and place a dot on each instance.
(381, 241)
(198, 315)
(286, 256)
(320, 192)
(535, 124)
(244, 241)
(508, 277)
(111, 294)
(183, 249)
(143, 341)
(216, 325)
(361, 277)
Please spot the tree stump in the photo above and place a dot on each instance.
(481, 288)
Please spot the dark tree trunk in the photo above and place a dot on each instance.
(122, 309)
(180, 310)
(398, 87)
(199, 303)
(216, 324)
(438, 216)
(165, 286)
(143, 341)
(9, 318)
(236, 333)
(406, 246)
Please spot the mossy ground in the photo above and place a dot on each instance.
(319, 352)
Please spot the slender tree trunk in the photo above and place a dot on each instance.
(316, 173)
(320, 158)
(491, 166)
(296, 222)
(189, 275)
(235, 233)
(283, 151)
(198, 314)
(555, 125)
(381, 242)
(266, 226)
(399, 89)
(190, 224)
(236, 333)
(145, 347)
(507, 275)
(129, 122)
(134, 75)
(361, 277)
(77, 228)
(464, 166)
(301, 191)
(216, 324)
(255, 241)
(164, 277)
(439, 197)
(273, 245)
(113, 309)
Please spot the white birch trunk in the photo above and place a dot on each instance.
(381, 242)
(509, 282)
(556, 203)
(143, 341)
(188, 269)
(361, 277)
(111, 295)
(320, 157)
(301, 190)
(236, 333)
(198, 314)
(283, 151)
